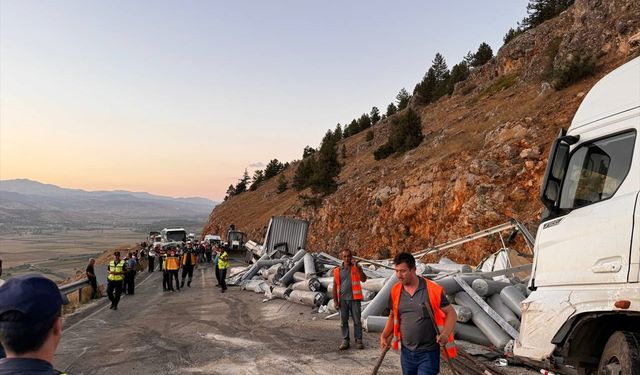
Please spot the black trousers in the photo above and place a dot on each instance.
(94, 286)
(223, 276)
(151, 261)
(217, 273)
(165, 280)
(129, 282)
(114, 290)
(187, 271)
(173, 274)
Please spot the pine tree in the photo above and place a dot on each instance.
(425, 90)
(482, 55)
(273, 168)
(343, 151)
(338, 133)
(231, 191)
(391, 109)
(364, 122)
(327, 166)
(308, 151)
(459, 73)
(241, 186)
(511, 34)
(439, 66)
(302, 177)
(375, 115)
(258, 177)
(351, 129)
(403, 99)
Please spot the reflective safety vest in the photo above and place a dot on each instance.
(356, 287)
(172, 263)
(115, 267)
(434, 292)
(223, 260)
(194, 258)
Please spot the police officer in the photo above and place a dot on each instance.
(189, 262)
(117, 270)
(30, 324)
(223, 264)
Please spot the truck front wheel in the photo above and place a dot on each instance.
(621, 355)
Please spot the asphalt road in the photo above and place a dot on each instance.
(202, 331)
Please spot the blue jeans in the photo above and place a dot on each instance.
(420, 363)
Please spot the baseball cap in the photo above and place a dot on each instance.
(35, 296)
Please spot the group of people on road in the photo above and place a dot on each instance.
(174, 258)
(420, 316)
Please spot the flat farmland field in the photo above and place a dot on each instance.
(59, 254)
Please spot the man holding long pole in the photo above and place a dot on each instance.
(413, 301)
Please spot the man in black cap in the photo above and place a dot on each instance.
(117, 269)
(30, 324)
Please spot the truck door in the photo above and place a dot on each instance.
(591, 243)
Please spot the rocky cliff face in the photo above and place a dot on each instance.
(482, 158)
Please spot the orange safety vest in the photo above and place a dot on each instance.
(194, 258)
(172, 263)
(356, 288)
(434, 291)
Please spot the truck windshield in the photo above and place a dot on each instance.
(177, 236)
(596, 170)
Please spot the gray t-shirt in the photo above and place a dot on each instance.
(346, 293)
(416, 328)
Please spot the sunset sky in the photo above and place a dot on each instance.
(179, 97)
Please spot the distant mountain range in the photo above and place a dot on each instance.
(25, 202)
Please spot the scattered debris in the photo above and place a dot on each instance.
(486, 297)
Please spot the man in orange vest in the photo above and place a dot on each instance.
(410, 320)
(347, 295)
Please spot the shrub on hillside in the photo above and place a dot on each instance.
(406, 134)
(580, 66)
(369, 136)
(282, 184)
(320, 169)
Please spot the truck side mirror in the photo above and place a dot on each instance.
(555, 172)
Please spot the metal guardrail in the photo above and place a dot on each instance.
(101, 275)
(73, 287)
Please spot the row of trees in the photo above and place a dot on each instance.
(318, 169)
(440, 81)
(538, 11)
(273, 168)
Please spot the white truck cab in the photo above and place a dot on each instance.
(584, 309)
(173, 236)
